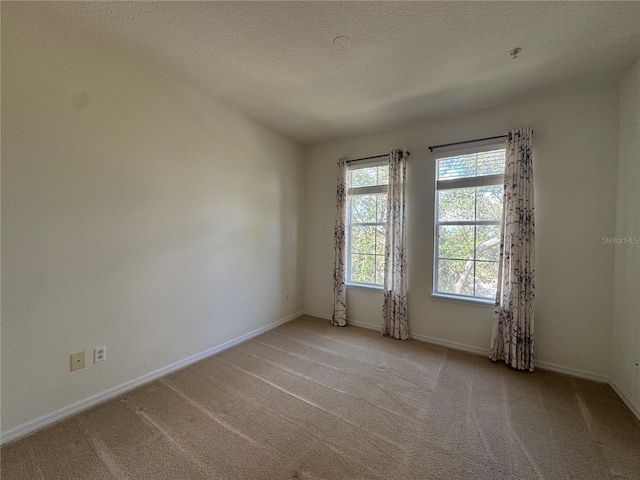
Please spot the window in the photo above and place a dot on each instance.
(367, 186)
(468, 213)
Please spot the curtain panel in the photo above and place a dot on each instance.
(512, 338)
(339, 317)
(395, 320)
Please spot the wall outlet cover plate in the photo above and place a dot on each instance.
(77, 361)
(99, 354)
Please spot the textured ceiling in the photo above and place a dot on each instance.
(407, 60)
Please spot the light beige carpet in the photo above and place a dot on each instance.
(308, 400)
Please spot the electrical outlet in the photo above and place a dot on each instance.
(286, 297)
(77, 361)
(99, 354)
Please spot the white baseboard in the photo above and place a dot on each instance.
(574, 372)
(324, 316)
(634, 409)
(463, 347)
(485, 352)
(423, 338)
(369, 326)
(57, 415)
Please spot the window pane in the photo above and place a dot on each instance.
(380, 269)
(486, 279)
(455, 241)
(489, 203)
(467, 255)
(488, 242)
(382, 207)
(363, 208)
(383, 175)
(455, 276)
(363, 239)
(362, 268)
(369, 177)
(380, 240)
(364, 177)
(456, 204)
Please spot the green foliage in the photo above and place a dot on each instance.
(485, 233)
(367, 253)
(369, 208)
(449, 273)
(489, 203)
(468, 254)
(486, 279)
(455, 242)
(468, 204)
(456, 204)
(367, 268)
(367, 241)
(368, 177)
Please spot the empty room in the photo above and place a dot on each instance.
(320, 240)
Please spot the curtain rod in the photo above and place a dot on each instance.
(433, 147)
(369, 158)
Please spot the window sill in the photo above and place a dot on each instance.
(364, 287)
(466, 300)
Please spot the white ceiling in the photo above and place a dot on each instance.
(407, 60)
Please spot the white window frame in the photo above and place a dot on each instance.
(467, 182)
(377, 189)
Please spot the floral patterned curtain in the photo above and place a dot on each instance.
(512, 338)
(395, 266)
(339, 318)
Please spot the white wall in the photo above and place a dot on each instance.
(626, 327)
(137, 213)
(575, 148)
